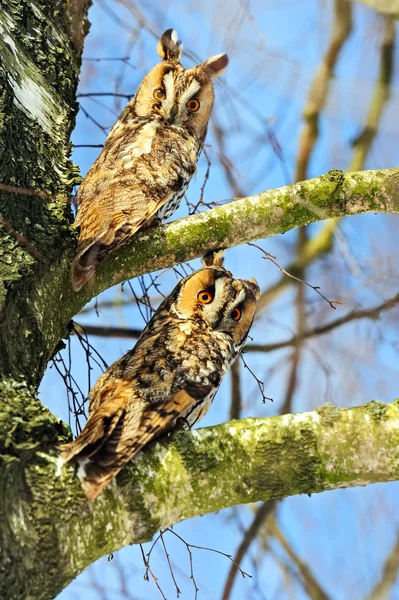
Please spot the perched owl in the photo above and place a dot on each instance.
(170, 377)
(148, 158)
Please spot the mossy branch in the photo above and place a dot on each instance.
(186, 475)
(50, 297)
(247, 219)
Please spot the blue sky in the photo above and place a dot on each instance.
(274, 49)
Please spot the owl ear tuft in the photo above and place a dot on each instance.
(215, 65)
(253, 284)
(169, 47)
(213, 258)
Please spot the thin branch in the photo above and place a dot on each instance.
(316, 288)
(300, 324)
(383, 588)
(105, 130)
(235, 565)
(228, 167)
(315, 247)
(23, 240)
(112, 94)
(13, 189)
(241, 221)
(88, 145)
(236, 398)
(364, 140)
(261, 515)
(148, 572)
(319, 90)
(309, 582)
(178, 592)
(371, 313)
(260, 383)
(104, 331)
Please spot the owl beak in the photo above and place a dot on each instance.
(172, 114)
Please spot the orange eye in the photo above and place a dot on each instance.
(236, 314)
(205, 297)
(193, 105)
(159, 94)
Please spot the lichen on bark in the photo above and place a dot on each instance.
(49, 533)
(38, 78)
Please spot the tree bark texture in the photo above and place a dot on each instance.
(49, 533)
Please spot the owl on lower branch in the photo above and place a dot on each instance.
(170, 377)
(148, 158)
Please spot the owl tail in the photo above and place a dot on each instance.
(86, 263)
(94, 253)
(95, 450)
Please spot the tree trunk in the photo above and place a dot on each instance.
(40, 48)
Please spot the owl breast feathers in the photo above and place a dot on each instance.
(148, 158)
(170, 377)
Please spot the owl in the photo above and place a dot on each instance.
(169, 379)
(148, 158)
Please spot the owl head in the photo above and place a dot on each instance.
(212, 295)
(177, 96)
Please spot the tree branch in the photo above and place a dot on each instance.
(184, 475)
(263, 215)
(384, 587)
(386, 7)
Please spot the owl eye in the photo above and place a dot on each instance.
(193, 105)
(236, 314)
(159, 94)
(205, 297)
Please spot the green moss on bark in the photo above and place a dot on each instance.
(38, 78)
(49, 533)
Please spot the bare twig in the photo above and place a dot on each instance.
(300, 323)
(364, 140)
(319, 90)
(93, 120)
(148, 572)
(261, 515)
(23, 240)
(99, 94)
(178, 592)
(383, 589)
(104, 331)
(316, 288)
(318, 245)
(14, 189)
(371, 313)
(227, 165)
(229, 556)
(311, 586)
(260, 383)
(236, 399)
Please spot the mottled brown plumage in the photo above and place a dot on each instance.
(148, 158)
(170, 377)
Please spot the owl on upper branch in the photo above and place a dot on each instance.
(170, 377)
(148, 158)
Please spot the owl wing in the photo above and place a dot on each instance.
(116, 431)
(134, 176)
